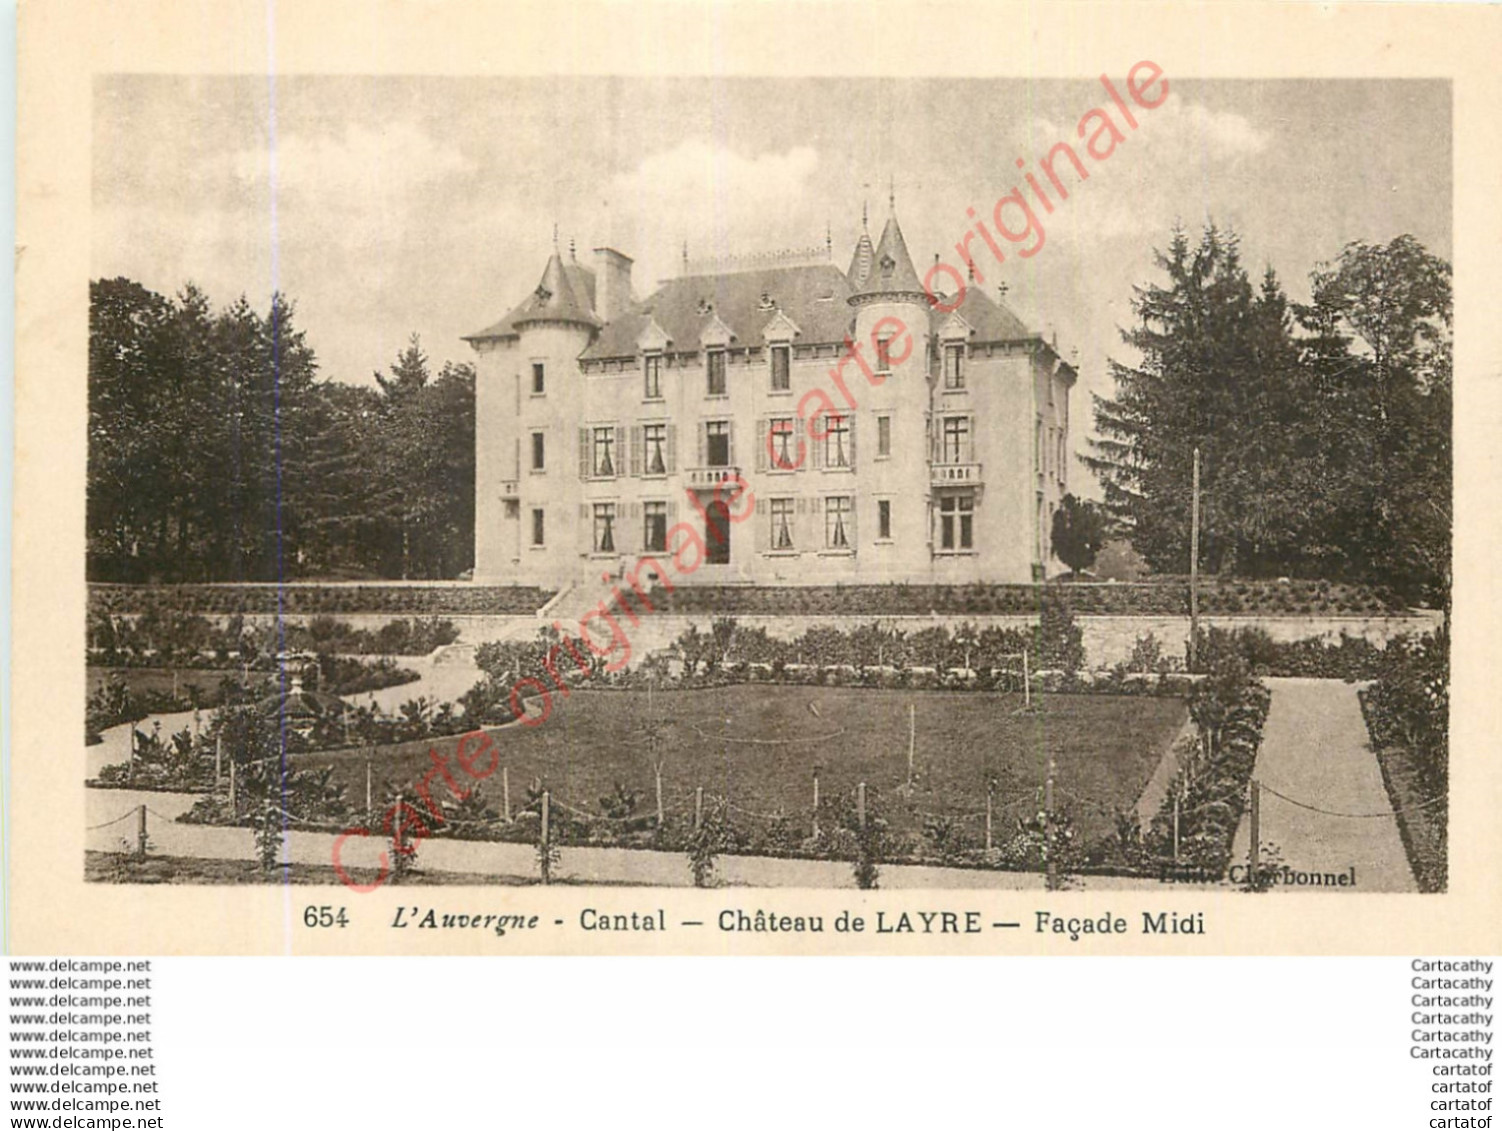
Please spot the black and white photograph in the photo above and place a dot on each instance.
(1030, 484)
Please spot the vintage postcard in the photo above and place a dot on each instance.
(756, 478)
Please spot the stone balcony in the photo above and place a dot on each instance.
(707, 478)
(510, 489)
(955, 474)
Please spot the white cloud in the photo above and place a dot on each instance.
(363, 169)
(1218, 133)
(720, 201)
(1155, 176)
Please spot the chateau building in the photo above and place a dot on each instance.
(881, 434)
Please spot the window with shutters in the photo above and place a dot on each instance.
(652, 376)
(604, 529)
(783, 444)
(603, 453)
(839, 520)
(717, 443)
(715, 363)
(539, 451)
(654, 527)
(538, 529)
(957, 522)
(783, 531)
(782, 369)
(655, 449)
(883, 437)
(954, 367)
(839, 443)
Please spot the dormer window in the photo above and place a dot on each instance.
(782, 362)
(954, 366)
(715, 363)
(652, 376)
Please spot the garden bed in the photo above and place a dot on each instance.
(1407, 712)
(757, 747)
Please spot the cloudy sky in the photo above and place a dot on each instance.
(385, 206)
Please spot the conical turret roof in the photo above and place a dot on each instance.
(892, 271)
(555, 299)
(862, 261)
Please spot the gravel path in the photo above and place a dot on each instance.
(1315, 751)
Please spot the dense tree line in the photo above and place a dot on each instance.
(217, 454)
(1324, 429)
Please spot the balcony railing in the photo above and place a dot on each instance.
(711, 476)
(954, 474)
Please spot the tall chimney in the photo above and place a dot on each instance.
(613, 282)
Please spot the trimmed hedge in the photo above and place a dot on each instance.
(1156, 598)
(300, 600)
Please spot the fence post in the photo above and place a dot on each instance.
(141, 834)
(698, 807)
(232, 797)
(816, 802)
(1176, 803)
(1027, 682)
(398, 833)
(912, 745)
(506, 793)
(1255, 824)
(657, 777)
(369, 796)
(990, 804)
(218, 761)
(1051, 866)
(547, 864)
(860, 804)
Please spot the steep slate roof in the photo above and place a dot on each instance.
(554, 300)
(990, 320)
(582, 279)
(812, 296)
(892, 270)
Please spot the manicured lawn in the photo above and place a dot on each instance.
(142, 680)
(757, 745)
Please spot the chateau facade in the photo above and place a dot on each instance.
(812, 425)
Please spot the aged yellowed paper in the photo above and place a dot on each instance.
(755, 478)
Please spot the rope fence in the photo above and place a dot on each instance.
(726, 738)
(1391, 812)
(122, 817)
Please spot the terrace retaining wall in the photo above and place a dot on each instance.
(1108, 640)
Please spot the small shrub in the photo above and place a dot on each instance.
(708, 841)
